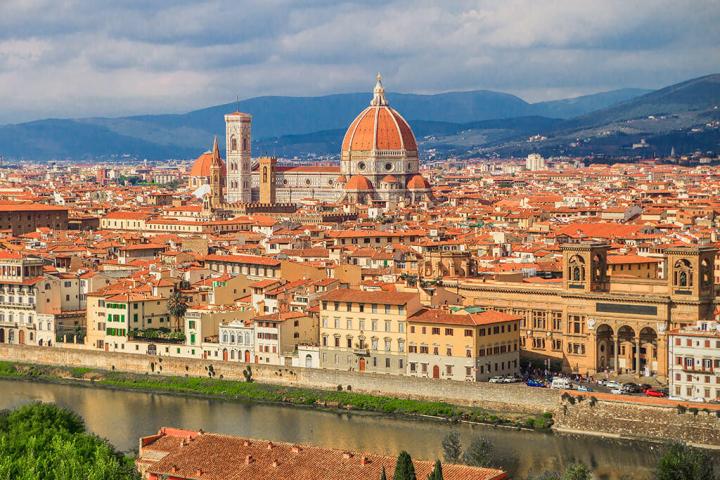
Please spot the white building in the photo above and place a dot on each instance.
(535, 162)
(694, 362)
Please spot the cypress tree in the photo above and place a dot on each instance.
(436, 474)
(404, 468)
(382, 475)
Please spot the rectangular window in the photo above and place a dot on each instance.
(449, 332)
(468, 333)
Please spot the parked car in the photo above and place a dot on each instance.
(510, 379)
(652, 392)
(497, 379)
(618, 391)
(632, 388)
(698, 399)
(584, 388)
(645, 386)
(562, 383)
(612, 384)
(534, 383)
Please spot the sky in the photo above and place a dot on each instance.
(74, 58)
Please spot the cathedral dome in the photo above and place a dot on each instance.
(379, 127)
(358, 182)
(201, 166)
(390, 179)
(418, 182)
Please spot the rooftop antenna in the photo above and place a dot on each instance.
(237, 103)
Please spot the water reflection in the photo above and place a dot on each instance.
(122, 417)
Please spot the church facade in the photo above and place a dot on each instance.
(379, 166)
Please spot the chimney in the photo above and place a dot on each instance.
(270, 446)
(275, 463)
(248, 459)
(364, 460)
(173, 469)
(295, 449)
(246, 443)
(198, 472)
(347, 455)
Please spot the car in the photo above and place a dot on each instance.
(561, 383)
(497, 379)
(618, 391)
(612, 384)
(645, 386)
(535, 383)
(652, 392)
(632, 388)
(698, 399)
(510, 379)
(584, 388)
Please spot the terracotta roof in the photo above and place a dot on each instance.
(362, 296)
(201, 166)
(358, 182)
(220, 457)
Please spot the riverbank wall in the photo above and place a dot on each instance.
(500, 397)
(635, 420)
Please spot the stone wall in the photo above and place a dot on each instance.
(511, 398)
(633, 420)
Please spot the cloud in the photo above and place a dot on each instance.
(115, 57)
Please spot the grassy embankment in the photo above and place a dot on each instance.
(260, 392)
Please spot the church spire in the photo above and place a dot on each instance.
(215, 151)
(379, 93)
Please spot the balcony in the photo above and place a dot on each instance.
(360, 349)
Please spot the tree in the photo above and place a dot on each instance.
(45, 442)
(576, 471)
(177, 306)
(452, 450)
(383, 476)
(404, 468)
(682, 462)
(436, 474)
(478, 452)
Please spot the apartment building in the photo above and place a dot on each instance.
(278, 335)
(25, 294)
(463, 346)
(694, 362)
(366, 330)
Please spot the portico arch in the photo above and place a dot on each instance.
(628, 343)
(605, 347)
(648, 350)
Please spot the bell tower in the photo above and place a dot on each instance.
(585, 267)
(691, 272)
(238, 156)
(216, 178)
(267, 179)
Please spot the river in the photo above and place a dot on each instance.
(122, 417)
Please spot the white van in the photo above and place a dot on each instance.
(561, 383)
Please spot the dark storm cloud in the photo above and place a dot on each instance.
(89, 57)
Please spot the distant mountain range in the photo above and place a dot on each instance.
(455, 123)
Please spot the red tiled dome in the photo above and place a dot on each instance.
(358, 182)
(201, 167)
(341, 179)
(418, 182)
(389, 179)
(379, 127)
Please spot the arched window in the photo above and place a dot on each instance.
(233, 144)
(683, 275)
(244, 144)
(576, 268)
(265, 174)
(225, 337)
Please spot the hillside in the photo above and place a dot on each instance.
(286, 126)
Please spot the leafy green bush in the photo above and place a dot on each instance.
(44, 442)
